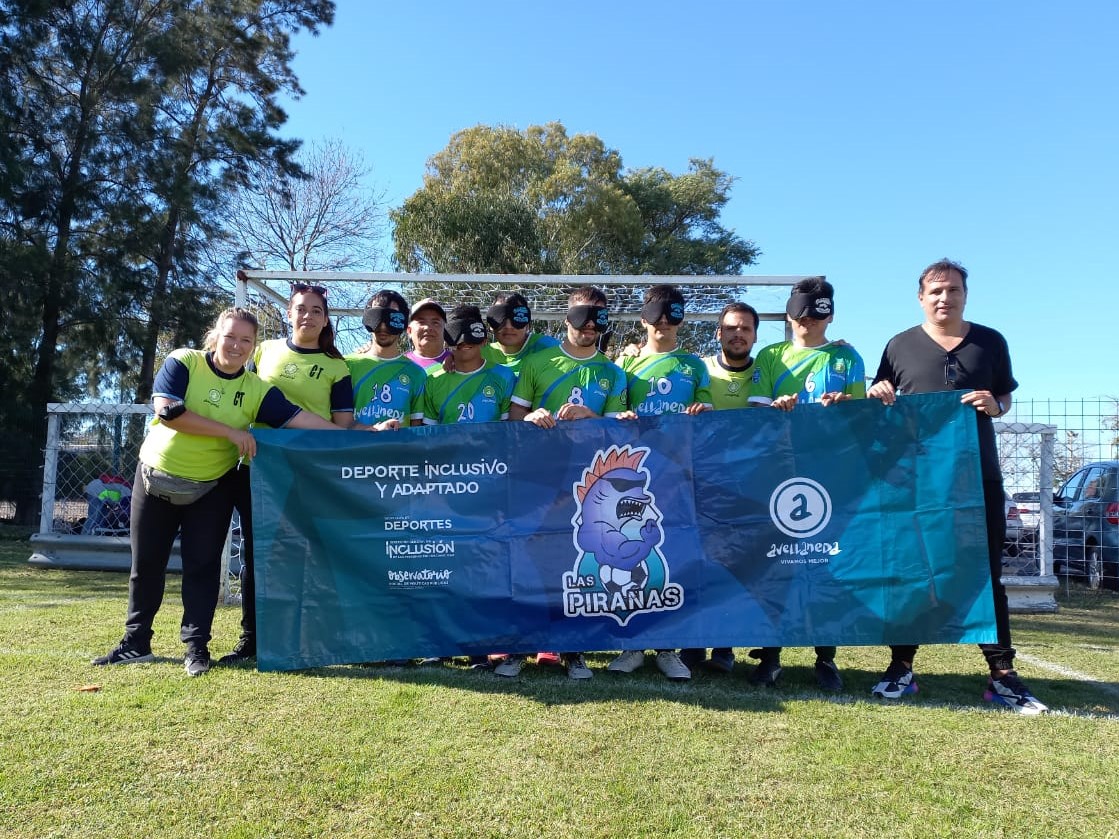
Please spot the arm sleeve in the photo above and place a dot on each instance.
(522, 393)
(275, 409)
(856, 377)
(342, 395)
(1003, 379)
(886, 369)
(617, 401)
(172, 379)
(761, 383)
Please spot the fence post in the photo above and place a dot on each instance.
(1045, 501)
(50, 472)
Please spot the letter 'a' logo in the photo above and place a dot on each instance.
(800, 507)
(619, 569)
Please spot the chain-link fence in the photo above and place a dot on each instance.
(88, 471)
(1060, 462)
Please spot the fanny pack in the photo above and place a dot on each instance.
(177, 491)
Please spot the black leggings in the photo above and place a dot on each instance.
(999, 656)
(203, 526)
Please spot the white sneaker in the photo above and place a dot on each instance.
(669, 663)
(577, 666)
(628, 661)
(511, 667)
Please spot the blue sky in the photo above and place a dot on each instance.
(868, 139)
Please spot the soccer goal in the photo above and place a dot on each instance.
(267, 293)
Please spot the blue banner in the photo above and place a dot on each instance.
(850, 525)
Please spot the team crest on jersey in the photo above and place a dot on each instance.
(214, 396)
(840, 366)
(604, 384)
(488, 391)
(733, 386)
(619, 570)
(404, 379)
(290, 371)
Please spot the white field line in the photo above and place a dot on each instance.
(1069, 673)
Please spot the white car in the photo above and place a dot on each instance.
(1029, 508)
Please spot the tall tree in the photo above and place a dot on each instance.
(326, 219)
(538, 201)
(222, 64)
(74, 80)
(126, 120)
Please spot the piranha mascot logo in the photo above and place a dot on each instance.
(619, 571)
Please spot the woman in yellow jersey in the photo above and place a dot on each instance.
(186, 480)
(307, 367)
(312, 373)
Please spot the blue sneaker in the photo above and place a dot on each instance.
(721, 661)
(1010, 692)
(897, 681)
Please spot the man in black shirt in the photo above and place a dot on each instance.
(947, 352)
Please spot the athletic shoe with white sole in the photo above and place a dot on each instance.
(511, 667)
(1010, 692)
(669, 663)
(896, 682)
(126, 652)
(197, 660)
(627, 662)
(576, 666)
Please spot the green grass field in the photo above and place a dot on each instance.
(446, 752)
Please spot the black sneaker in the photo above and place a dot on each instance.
(693, 658)
(721, 661)
(126, 652)
(197, 660)
(827, 676)
(767, 672)
(244, 651)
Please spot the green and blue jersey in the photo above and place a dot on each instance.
(479, 396)
(667, 382)
(535, 342)
(808, 372)
(551, 378)
(387, 388)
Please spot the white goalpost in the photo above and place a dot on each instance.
(546, 293)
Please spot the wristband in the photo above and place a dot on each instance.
(1002, 408)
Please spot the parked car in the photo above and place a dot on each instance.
(1012, 545)
(1086, 525)
(1029, 508)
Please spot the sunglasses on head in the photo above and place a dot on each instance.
(301, 288)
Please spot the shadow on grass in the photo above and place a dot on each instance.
(51, 583)
(727, 692)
